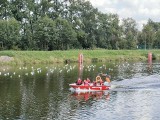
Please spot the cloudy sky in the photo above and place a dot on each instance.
(139, 10)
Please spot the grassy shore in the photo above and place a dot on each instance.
(50, 57)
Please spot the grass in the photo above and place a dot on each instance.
(50, 57)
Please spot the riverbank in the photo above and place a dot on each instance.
(69, 56)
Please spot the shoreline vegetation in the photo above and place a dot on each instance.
(71, 56)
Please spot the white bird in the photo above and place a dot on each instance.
(26, 74)
(32, 73)
(60, 71)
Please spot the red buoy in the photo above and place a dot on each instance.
(80, 58)
(149, 57)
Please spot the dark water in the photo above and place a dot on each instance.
(43, 93)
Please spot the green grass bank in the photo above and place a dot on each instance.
(51, 57)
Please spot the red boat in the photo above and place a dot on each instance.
(89, 87)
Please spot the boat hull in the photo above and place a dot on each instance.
(89, 87)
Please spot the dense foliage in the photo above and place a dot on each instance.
(69, 24)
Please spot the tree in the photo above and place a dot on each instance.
(45, 34)
(130, 32)
(157, 40)
(9, 33)
(68, 24)
(66, 35)
(108, 31)
(4, 9)
(149, 35)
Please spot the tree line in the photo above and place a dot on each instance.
(70, 24)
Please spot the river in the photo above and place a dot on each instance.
(43, 93)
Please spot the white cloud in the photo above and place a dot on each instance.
(100, 2)
(140, 10)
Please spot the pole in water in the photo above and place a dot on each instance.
(80, 58)
(149, 57)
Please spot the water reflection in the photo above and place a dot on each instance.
(91, 95)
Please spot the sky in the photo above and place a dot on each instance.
(139, 10)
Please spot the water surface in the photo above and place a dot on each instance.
(43, 93)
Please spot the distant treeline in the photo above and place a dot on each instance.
(70, 24)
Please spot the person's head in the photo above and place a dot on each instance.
(108, 76)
